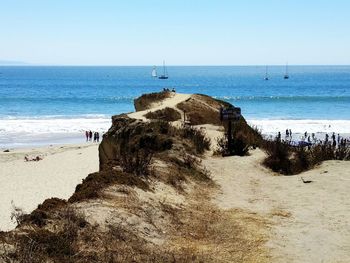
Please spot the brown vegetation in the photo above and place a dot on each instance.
(243, 138)
(146, 100)
(93, 184)
(288, 160)
(166, 114)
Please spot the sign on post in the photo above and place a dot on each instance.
(230, 114)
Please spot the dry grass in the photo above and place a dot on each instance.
(92, 186)
(146, 100)
(208, 234)
(166, 114)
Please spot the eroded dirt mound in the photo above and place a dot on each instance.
(202, 109)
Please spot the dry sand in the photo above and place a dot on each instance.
(28, 184)
(309, 222)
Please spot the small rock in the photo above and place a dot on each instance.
(7, 151)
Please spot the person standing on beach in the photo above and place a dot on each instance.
(97, 136)
(90, 135)
(87, 135)
(290, 133)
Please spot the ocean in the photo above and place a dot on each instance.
(41, 105)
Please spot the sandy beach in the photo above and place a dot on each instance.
(27, 184)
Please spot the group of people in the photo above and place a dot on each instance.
(89, 134)
(168, 90)
(334, 140)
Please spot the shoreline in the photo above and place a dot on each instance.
(28, 184)
(17, 138)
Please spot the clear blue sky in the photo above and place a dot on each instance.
(183, 32)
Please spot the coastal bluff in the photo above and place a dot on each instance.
(149, 202)
(165, 193)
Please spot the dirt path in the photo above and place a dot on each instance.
(309, 222)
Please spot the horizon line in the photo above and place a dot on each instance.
(170, 65)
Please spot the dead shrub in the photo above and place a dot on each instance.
(166, 114)
(286, 159)
(94, 183)
(42, 245)
(137, 162)
(197, 137)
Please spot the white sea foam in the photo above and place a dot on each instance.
(18, 133)
(30, 132)
(38, 126)
(301, 126)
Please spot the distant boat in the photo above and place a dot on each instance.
(286, 76)
(154, 72)
(165, 72)
(266, 74)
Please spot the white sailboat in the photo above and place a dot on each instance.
(154, 72)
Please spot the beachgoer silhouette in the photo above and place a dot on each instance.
(290, 133)
(97, 137)
(87, 135)
(90, 135)
(334, 143)
(287, 133)
(279, 136)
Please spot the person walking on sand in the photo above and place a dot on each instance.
(287, 133)
(87, 135)
(90, 135)
(97, 136)
(290, 133)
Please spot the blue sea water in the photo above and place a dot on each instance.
(74, 95)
